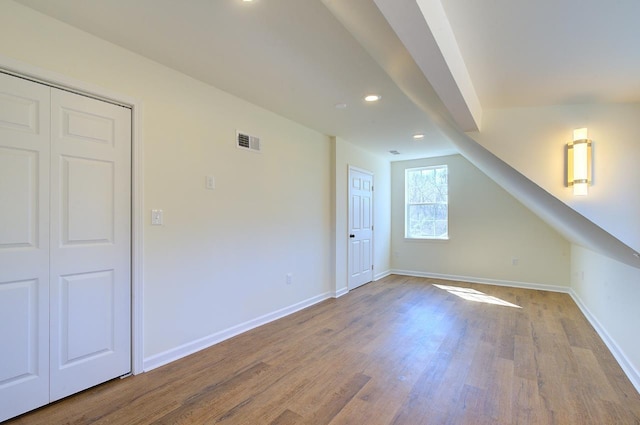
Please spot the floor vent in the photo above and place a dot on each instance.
(245, 141)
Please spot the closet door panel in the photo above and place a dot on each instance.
(90, 242)
(24, 245)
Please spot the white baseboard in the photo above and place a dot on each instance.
(382, 275)
(632, 373)
(378, 276)
(340, 292)
(497, 282)
(184, 350)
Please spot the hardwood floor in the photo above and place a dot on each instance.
(396, 351)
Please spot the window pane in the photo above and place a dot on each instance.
(423, 221)
(441, 194)
(441, 212)
(426, 198)
(422, 229)
(421, 186)
(441, 229)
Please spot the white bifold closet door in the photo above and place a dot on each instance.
(65, 202)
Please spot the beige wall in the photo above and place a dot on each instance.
(610, 292)
(532, 140)
(222, 256)
(345, 155)
(488, 228)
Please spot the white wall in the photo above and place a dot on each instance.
(221, 257)
(610, 292)
(345, 155)
(488, 228)
(532, 140)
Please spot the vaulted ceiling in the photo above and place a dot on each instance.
(303, 60)
(438, 64)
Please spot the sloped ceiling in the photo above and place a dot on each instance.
(296, 58)
(365, 24)
(436, 63)
(548, 52)
(292, 57)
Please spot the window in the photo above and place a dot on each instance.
(426, 203)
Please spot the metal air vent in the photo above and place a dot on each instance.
(246, 141)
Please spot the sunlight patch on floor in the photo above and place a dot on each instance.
(476, 296)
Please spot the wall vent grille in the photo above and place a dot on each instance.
(248, 142)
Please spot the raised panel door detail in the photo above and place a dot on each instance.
(19, 330)
(19, 195)
(355, 257)
(19, 113)
(87, 127)
(24, 346)
(356, 212)
(86, 325)
(87, 201)
(366, 252)
(365, 210)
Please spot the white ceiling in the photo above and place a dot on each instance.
(545, 52)
(295, 58)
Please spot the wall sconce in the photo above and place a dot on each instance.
(579, 162)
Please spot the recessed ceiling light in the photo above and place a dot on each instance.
(373, 98)
(341, 105)
(418, 136)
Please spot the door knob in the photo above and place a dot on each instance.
(352, 236)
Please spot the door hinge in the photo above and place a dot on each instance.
(372, 267)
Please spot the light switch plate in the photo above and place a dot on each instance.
(211, 182)
(156, 217)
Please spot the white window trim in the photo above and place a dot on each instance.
(406, 206)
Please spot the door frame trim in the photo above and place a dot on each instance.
(361, 170)
(39, 75)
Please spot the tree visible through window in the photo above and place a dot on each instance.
(426, 202)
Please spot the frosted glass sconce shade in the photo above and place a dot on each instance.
(579, 162)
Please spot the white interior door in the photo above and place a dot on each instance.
(65, 202)
(24, 246)
(90, 242)
(360, 228)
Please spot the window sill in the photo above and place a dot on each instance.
(426, 239)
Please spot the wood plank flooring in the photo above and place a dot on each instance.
(396, 351)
